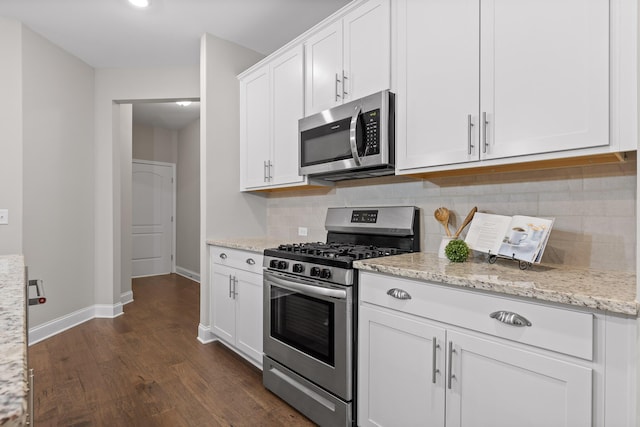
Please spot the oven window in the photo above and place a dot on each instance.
(303, 322)
(326, 143)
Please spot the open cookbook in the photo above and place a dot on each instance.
(518, 237)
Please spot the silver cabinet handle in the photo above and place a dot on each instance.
(337, 81)
(434, 368)
(235, 287)
(469, 133)
(352, 135)
(398, 293)
(270, 174)
(450, 363)
(223, 255)
(251, 261)
(510, 318)
(264, 171)
(31, 392)
(230, 282)
(484, 131)
(344, 84)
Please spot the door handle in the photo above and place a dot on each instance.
(434, 367)
(353, 134)
(337, 81)
(230, 290)
(450, 361)
(484, 132)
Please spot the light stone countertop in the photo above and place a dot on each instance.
(610, 291)
(252, 244)
(13, 342)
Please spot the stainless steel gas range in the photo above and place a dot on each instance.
(310, 315)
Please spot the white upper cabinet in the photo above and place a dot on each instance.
(438, 82)
(349, 58)
(484, 80)
(271, 103)
(544, 75)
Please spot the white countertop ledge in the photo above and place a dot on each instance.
(609, 291)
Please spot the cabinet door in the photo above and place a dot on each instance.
(254, 128)
(544, 75)
(323, 70)
(287, 105)
(438, 82)
(367, 50)
(500, 386)
(223, 312)
(248, 299)
(397, 370)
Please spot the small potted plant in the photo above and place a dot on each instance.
(457, 251)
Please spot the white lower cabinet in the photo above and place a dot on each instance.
(236, 300)
(430, 360)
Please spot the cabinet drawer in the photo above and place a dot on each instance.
(235, 258)
(561, 330)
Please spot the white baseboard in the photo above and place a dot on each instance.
(205, 336)
(61, 324)
(188, 274)
(126, 297)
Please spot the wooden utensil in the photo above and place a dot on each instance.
(442, 216)
(466, 222)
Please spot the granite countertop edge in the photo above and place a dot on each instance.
(13, 345)
(608, 291)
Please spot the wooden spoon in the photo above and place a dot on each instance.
(442, 216)
(466, 221)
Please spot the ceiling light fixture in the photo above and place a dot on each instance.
(139, 3)
(183, 103)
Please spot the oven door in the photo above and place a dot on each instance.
(308, 328)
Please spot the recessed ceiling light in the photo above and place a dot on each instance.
(139, 3)
(183, 103)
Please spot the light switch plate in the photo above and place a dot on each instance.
(4, 216)
(302, 231)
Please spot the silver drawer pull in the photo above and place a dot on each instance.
(223, 255)
(250, 261)
(398, 293)
(510, 318)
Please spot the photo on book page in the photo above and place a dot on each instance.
(525, 238)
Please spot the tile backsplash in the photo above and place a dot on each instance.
(594, 208)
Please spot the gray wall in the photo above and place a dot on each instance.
(155, 144)
(594, 208)
(188, 199)
(11, 130)
(57, 120)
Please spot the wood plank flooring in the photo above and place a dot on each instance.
(146, 368)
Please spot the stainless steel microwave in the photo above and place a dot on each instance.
(352, 140)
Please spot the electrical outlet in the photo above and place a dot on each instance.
(302, 231)
(4, 216)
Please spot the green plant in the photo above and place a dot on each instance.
(457, 251)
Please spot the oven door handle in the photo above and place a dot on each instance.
(307, 289)
(353, 142)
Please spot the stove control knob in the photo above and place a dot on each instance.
(315, 271)
(326, 273)
(298, 268)
(282, 265)
(273, 263)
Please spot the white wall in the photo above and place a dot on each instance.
(155, 144)
(111, 86)
(11, 131)
(227, 212)
(58, 176)
(188, 199)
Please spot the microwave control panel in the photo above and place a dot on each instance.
(371, 132)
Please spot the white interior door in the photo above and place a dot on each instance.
(153, 211)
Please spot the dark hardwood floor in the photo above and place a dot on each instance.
(146, 368)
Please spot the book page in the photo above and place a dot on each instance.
(525, 238)
(487, 232)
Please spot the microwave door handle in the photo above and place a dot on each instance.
(352, 135)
